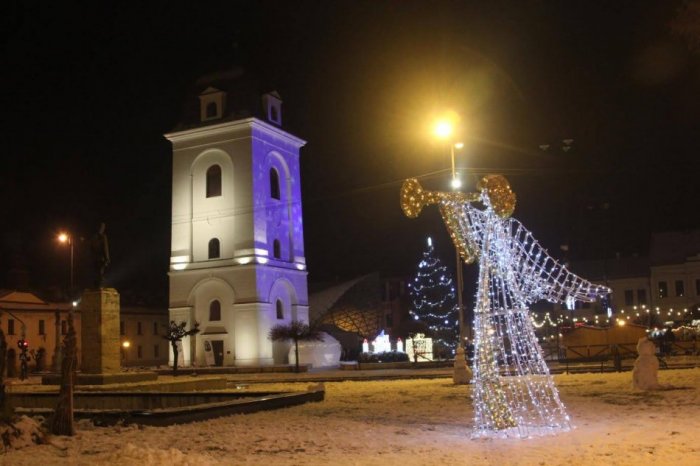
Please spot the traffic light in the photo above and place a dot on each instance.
(23, 344)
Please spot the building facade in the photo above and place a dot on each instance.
(44, 324)
(237, 247)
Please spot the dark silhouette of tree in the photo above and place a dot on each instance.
(686, 24)
(62, 420)
(176, 332)
(5, 413)
(296, 331)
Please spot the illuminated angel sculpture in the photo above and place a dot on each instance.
(514, 394)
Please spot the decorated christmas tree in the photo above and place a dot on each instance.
(433, 301)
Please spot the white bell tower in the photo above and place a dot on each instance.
(237, 261)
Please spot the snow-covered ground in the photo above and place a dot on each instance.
(409, 422)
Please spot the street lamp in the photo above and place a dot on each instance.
(443, 129)
(65, 238)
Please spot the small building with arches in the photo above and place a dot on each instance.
(237, 264)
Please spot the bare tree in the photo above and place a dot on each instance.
(62, 421)
(5, 413)
(296, 331)
(176, 332)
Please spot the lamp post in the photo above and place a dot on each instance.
(66, 238)
(443, 130)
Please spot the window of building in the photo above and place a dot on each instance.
(214, 181)
(64, 327)
(212, 110)
(697, 287)
(274, 184)
(42, 328)
(274, 116)
(10, 326)
(642, 296)
(276, 249)
(663, 290)
(680, 288)
(280, 309)
(215, 311)
(155, 328)
(139, 352)
(138, 329)
(629, 297)
(122, 328)
(389, 320)
(156, 351)
(214, 248)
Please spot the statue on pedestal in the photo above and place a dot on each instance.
(100, 256)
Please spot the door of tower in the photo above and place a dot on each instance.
(217, 347)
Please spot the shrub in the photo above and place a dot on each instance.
(387, 356)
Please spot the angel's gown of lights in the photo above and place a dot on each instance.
(514, 394)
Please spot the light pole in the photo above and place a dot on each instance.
(443, 130)
(66, 238)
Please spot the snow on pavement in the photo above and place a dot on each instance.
(408, 422)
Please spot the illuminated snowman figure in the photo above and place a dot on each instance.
(513, 391)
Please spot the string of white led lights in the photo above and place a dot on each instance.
(514, 394)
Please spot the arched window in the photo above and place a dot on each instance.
(214, 181)
(214, 248)
(280, 309)
(276, 250)
(212, 110)
(215, 310)
(274, 184)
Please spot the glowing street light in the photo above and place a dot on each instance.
(443, 129)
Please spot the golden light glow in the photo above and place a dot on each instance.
(126, 344)
(63, 237)
(444, 125)
(459, 145)
(443, 129)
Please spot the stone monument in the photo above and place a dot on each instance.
(100, 351)
(99, 328)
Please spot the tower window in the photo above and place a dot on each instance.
(276, 249)
(280, 309)
(214, 248)
(274, 116)
(212, 110)
(215, 311)
(214, 181)
(663, 289)
(274, 184)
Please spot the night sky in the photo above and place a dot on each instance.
(88, 91)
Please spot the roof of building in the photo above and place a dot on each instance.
(674, 247)
(243, 98)
(611, 269)
(23, 300)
